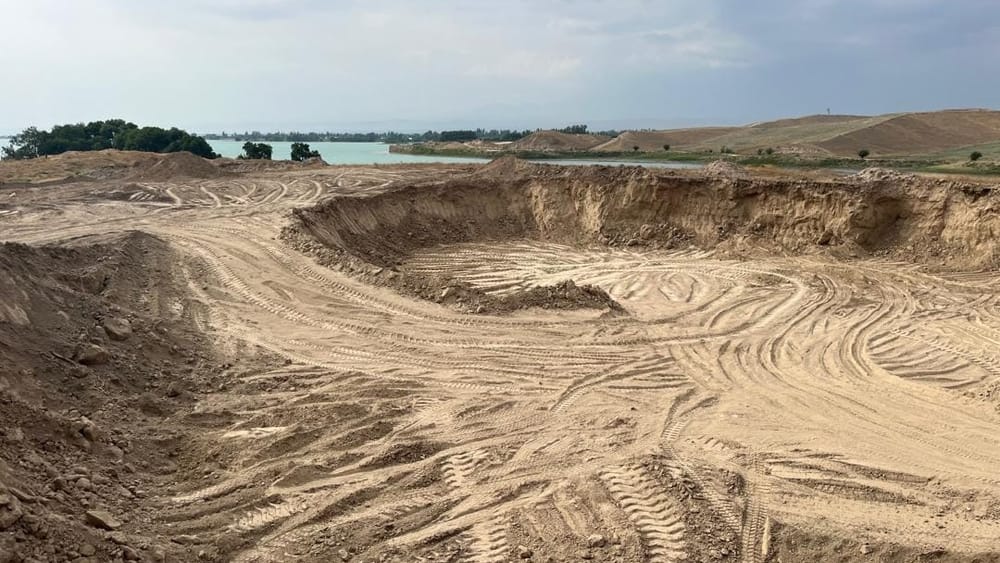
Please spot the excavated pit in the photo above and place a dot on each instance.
(871, 214)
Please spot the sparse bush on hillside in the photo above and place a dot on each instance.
(300, 152)
(256, 151)
(760, 152)
(726, 150)
(769, 151)
(976, 155)
(863, 153)
(635, 148)
(666, 147)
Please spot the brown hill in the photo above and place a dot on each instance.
(920, 133)
(557, 141)
(841, 135)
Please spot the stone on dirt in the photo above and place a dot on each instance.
(92, 355)
(102, 519)
(117, 329)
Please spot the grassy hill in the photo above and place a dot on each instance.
(905, 134)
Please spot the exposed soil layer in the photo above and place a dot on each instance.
(496, 363)
(874, 213)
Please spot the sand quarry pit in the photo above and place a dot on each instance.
(498, 363)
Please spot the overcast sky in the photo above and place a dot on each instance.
(416, 64)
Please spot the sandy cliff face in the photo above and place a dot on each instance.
(919, 219)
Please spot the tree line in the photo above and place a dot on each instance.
(100, 135)
(394, 137)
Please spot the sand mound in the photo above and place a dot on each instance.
(174, 165)
(726, 169)
(557, 141)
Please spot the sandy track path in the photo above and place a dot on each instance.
(820, 394)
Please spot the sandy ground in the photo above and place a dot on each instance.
(766, 406)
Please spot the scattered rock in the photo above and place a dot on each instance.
(129, 554)
(117, 329)
(92, 355)
(865, 549)
(596, 540)
(10, 510)
(87, 550)
(344, 556)
(523, 552)
(89, 430)
(174, 389)
(102, 519)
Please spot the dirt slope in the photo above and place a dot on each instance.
(107, 165)
(920, 133)
(93, 358)
(653, 141)
(839, 135)
(557, 141)
(874, 212)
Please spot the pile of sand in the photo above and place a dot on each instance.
(174, 165)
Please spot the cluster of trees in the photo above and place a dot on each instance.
(300, 152)
(100, 135)
(256, 151)
(264, 151)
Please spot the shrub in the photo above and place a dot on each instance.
(666, 147)
(863, 153)
(976, 155)
(769, 151)
(300, 152)
(256, 151)
(635, 148)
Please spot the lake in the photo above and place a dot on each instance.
(378, 153)
(340, 153)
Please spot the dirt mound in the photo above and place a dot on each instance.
(174, 165)
(89, 345)
(557, 141)
(107, 165)
(726, 169)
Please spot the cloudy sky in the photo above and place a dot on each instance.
(417, 64)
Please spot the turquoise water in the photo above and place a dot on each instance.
(378, 153)
(340, 153)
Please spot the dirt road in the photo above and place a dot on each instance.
(767, 406)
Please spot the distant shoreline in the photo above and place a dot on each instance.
(775, 160)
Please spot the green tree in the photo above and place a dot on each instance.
(976, 155)
(635, 148)
(102, 135)
(769, 151)
(256, 151)
(300, 152)
(863, 153)
(666, 147)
